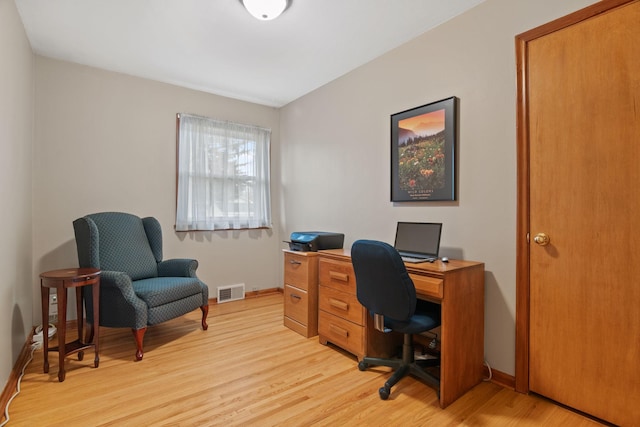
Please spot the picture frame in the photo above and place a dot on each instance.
(423, 152)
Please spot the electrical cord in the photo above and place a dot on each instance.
(490, 372)
(36, 343)
(37, 336)
(34, 346)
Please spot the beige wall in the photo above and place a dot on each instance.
(16, 140)
(336, 142)
(106, 142)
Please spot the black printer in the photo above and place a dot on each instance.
(313, 241)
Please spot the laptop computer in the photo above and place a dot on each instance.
(418, 241)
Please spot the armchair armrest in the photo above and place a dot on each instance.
(178, 267)
(117, 280)
(120, 306)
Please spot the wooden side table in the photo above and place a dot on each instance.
(62, 280)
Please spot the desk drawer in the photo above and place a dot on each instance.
(296, 270)
(341, 304)
(337, 275)
(296, 304)
(341, 332)
(428, 286)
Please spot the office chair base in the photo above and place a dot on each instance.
(403, 367)
(384, 392)
(401, 370)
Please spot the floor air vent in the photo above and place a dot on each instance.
(230, 293)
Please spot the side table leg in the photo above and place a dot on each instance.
(96, 320)
(62, 330)
(80, 318)
(80, 313)
(44, 293)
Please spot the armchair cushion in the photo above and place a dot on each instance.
(159, 291)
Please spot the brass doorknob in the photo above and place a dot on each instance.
(542, 239)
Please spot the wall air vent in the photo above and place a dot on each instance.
(230, 293)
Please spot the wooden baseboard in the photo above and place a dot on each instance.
(262, 292)
(500, 378)
(254, 294)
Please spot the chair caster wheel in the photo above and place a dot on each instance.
(384, 393)
(363, 366)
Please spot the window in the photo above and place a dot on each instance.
(223, 175)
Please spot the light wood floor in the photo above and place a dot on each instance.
(249, 370)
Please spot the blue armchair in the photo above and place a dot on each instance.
(137, 288)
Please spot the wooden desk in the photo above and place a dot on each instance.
(62, 280)
(457, 285)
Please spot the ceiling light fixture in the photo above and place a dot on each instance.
(265, 10)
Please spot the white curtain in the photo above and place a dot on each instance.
(223, 175)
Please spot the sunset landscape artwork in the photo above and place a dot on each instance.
(422, 165)
(422, 125)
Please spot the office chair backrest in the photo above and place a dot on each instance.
(383, 285)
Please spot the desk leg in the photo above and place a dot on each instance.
(44, 293)
(96, 320)
(62, 329)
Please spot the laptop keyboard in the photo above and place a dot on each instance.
(415, 260)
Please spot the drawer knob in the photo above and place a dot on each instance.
(294, 262)
(296, 296)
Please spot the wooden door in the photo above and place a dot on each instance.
(579, 183)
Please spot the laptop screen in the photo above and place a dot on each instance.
(418, 239)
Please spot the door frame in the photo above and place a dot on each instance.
(523, 169)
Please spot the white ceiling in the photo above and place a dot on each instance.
(216, 46)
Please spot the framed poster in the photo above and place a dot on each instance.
(423, 152)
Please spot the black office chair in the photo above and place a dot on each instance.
(384, 287)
